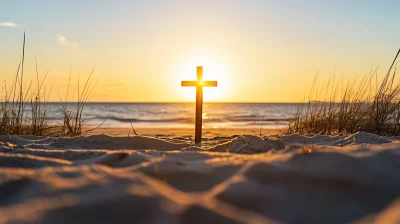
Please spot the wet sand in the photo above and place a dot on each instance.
(187, 132)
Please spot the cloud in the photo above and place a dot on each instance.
(8, 24)
(62, 40)
(73, 46)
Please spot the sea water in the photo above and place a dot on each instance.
(181, 115)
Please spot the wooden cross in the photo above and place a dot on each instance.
(199, 84)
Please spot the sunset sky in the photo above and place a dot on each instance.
(258, 51)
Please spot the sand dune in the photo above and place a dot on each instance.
(236, 179)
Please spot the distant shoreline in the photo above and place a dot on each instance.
(187, 102)
(176, 132)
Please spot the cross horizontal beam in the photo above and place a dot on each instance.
(201, 83)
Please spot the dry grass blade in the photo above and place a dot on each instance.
(23, 110)
(74, 121)
(358, 108)
(15, 119)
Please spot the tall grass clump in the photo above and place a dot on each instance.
(363, 105)
(40, 123)
(73, 120)
(14, 118)
(24, 107)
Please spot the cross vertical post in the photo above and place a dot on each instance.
(199, 84)
(199, 106)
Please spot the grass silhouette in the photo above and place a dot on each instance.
(362, 106)
(17, 119)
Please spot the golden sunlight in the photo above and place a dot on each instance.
(214, 69)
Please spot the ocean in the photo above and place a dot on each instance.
(182, 115)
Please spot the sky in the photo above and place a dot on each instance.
(258, 51)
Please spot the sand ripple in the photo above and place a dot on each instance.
(237, 179)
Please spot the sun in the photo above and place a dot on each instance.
(214, 69)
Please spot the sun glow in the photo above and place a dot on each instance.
(214, 69)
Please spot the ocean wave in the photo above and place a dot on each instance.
(136, 120)
(251, 120)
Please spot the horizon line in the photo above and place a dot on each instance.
(149, 102)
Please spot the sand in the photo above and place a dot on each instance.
(183, 132)
(226, 179)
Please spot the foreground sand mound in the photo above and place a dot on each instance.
(248, 144)
(108, 142)
(337, 140)
(237, 179)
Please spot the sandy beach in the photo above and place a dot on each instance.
(181, 132)
(226, 179)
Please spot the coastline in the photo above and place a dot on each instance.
(179, 132)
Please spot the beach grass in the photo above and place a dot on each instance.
(23, 108)
(73, 121)
(14, 119)
(363, 105)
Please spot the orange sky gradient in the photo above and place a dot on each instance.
(257, 51)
